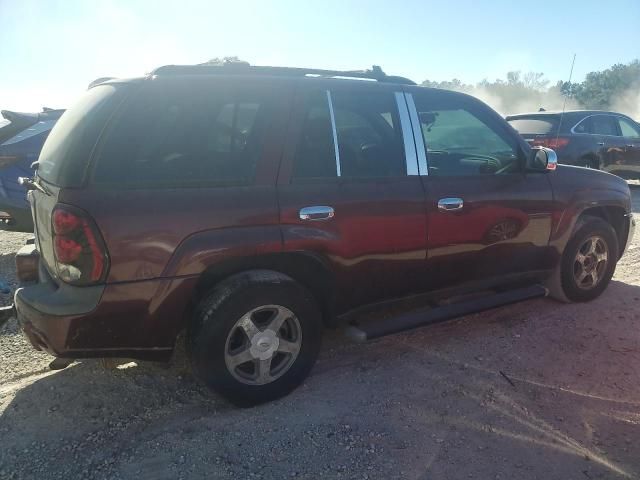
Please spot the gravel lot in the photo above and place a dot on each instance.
(430, 404)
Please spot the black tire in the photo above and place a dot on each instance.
(590, 227)
(215, 321)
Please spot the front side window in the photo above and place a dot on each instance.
(185, 137)
(367, 134)
(628, 129)
(462, 141)
(603, 125)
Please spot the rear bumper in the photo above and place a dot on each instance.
(133, 320)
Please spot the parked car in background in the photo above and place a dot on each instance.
(606, 141)
(21, 138)
(251, 206)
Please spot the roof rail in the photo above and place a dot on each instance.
(375, 73)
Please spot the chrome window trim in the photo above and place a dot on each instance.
(334, 130)
(598, 115)
(421, 148)
(410, 158)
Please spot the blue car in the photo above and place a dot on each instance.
(21, 138)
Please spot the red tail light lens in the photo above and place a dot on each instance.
(550, 142)
(81, 257)
(67, 250)
(64, 222)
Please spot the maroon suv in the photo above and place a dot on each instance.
(251, 206)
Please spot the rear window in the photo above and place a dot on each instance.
(65, 154)
(32, 131)
(185, 135)
(535, 126)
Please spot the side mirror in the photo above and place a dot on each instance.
(542, 159)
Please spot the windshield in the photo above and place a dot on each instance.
(66, 152)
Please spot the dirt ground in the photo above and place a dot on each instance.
(538, 390)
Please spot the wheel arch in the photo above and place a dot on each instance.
(614, 216)
(309, 269)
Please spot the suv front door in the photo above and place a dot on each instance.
(630, 133)
(488, 218)
(605, 129)
(348, 189)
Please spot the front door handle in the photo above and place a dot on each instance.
(450, 204)
(601, 144)
(319, 212)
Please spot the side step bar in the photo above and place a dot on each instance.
(408, 321)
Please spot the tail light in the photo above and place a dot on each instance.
(550, 142)
(81, 256)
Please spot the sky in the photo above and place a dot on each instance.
(50, 50)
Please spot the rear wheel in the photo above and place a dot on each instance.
(255, 337)
(589, 260)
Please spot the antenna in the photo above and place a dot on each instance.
(564, 104)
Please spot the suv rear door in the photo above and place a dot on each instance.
(348, 188)
(487, 217)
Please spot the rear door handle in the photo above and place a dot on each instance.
(318, 212)
(601, 144)
(450, 204)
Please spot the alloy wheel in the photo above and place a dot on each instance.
(590, 263)
(263, 345)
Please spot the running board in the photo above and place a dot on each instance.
(408, 321)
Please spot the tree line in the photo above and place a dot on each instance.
(617, 87)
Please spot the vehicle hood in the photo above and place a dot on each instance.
(590, 186)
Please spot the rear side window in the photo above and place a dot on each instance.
(173, 135)
(584, 126)
(535, 126)
(603, 125)
(367, 134)
(66, 152)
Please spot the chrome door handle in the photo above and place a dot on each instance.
(601, 144)
(319, 212)
(450, 204)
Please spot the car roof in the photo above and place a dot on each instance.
(573, 113)
(243, 68)
(357, 78)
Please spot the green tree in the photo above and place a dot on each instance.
(601, 89)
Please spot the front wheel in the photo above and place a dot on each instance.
(589, 260)
(255, 337)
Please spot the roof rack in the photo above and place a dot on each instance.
(375, 73)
